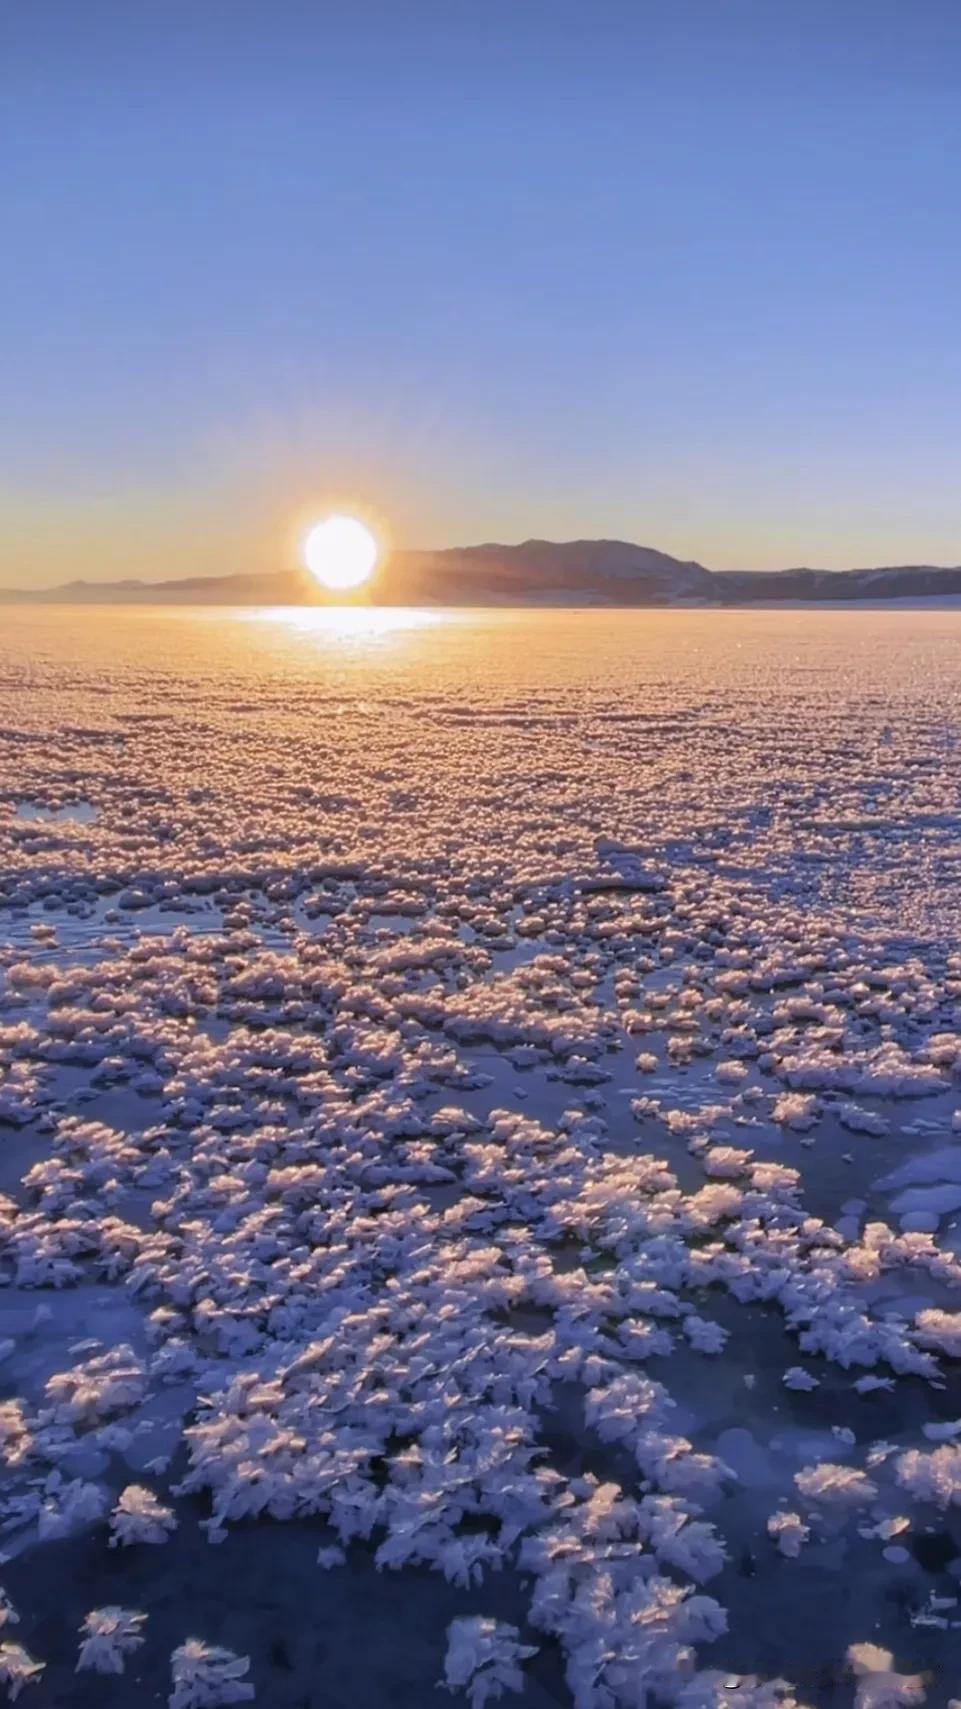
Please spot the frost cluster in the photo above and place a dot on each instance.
(109, 1635)
(205, 1676)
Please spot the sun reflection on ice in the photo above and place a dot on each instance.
(347, 622)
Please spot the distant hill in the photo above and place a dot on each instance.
(894, 581)
(536, 572)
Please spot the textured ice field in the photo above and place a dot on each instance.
(479, 1158)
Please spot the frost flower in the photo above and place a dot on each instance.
(879, 1687)
(140, 1518)
(17, 1669)
(940, 1330)
(204, 1676)
(932, 1477)
(109, 1635)
(483, 1657)
(837, 1486)
(789, 1532)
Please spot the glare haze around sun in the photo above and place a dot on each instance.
(341, 553)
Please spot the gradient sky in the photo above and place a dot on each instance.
(687, 272)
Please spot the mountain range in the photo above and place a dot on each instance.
(536, 572)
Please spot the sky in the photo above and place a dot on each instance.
(684, 272)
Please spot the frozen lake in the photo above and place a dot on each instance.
(479, 1141)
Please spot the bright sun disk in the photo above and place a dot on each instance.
(341, 553)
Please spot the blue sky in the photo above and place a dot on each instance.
(683, 272)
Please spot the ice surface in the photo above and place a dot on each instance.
(479, 1161)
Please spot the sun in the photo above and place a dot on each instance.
(341, 553)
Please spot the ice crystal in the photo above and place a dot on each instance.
(109, 1635)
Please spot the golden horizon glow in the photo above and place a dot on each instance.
(341, 553)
